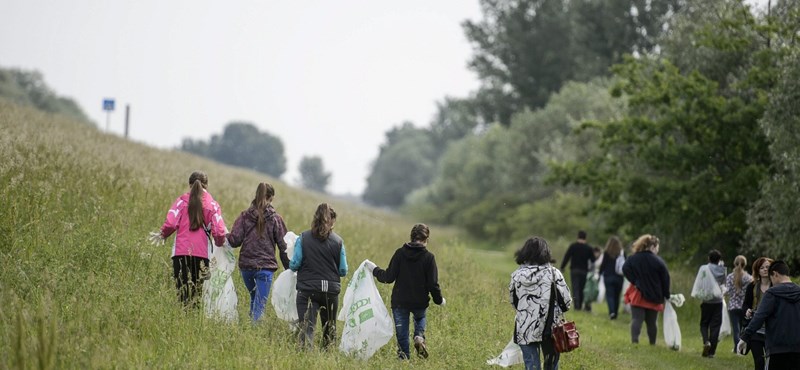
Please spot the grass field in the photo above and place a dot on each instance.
(81, 288)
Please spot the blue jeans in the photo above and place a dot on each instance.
(258, 283)
(613, 284)
(736, 316)
(401, 326)
(530, 355)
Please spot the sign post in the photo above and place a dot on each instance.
(108, 106)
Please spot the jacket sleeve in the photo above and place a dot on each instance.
(236, 236)
(342, 262)
(627, 271)
(279, 231)
(173, 217)
(748, 296)
(563, 291)
(665, 280)
(390, 274)
(765, 308)
(432, 280)
(297, 257)
(218, 228)
(512, 293)
(567, 256)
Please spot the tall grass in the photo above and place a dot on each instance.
(81, 288)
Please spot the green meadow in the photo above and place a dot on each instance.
(81, 288)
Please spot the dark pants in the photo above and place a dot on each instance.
(308, 304)
(783, 361)
(710, 321)
(530, 354)
(639, 315)
(578, 278)
(186, 272)
(401, 325)
(757, 349)
(613, 284)
(736, 316)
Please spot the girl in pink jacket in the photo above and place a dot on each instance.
(197, 218)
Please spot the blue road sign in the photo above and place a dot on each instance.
(108, 105)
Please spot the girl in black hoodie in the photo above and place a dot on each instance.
(413, 270)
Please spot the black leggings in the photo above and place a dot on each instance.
(186, 272)
(308, 304)
(647, 316)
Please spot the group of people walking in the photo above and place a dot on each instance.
(319, 259)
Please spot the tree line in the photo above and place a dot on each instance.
(29, 88)
(672, 117)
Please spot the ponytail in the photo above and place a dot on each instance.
(738, 271)
(322, 224)
(262, 200)
(198, 181)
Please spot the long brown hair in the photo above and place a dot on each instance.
(738, 272)
(262, 200)
(198, 180)
(757, 279)
(613, 247)
(323, 221)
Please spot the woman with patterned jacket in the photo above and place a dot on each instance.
(537, 305)
(197, 218)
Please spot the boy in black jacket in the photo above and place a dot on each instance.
(413, 270)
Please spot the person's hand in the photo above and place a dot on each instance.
(155, 238)
(444, 302)
(677, 299)
(741, 347)
(370, 265)
(748, 314)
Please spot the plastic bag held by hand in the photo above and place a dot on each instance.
(219, 294)
(672, 331)
(155, 238)
(370, 265)
(367, 323)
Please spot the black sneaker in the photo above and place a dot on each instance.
(706, 349)
(419, 345)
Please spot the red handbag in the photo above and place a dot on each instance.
(566, 337)
(634, 297)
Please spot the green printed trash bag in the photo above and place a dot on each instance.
(591, 290)
(705, 286)
(284, 289)
(219, 294)
(367, 324)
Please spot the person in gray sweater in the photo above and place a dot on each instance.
(711, 309)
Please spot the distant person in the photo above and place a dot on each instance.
(711, 308)
(320, 262)
(197, 218)
(258, 229)
(582, 256)
(735, 284)
(649, 278)
(611, 271)
(537, 303)
(753, 294)
(779, 310)
(413, 271)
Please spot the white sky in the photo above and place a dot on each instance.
(327, 77)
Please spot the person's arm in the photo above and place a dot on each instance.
(297, 257)
(729, 285)
(512, 293)
(765, 308)
(173, 217)
(218, 229)
(390, 274)
(748, 297)
(432, 280)
(562, 289)
(567, 256)
(665, 280)
(627, 271)
(278, 232)
(236, 236)
(342, 262)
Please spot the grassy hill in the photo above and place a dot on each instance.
(81, 288)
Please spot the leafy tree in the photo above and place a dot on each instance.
(313, 175)
(405, 162)
(243, 145)
(29, 88)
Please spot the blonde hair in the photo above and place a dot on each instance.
(645, 242)
(738, 272)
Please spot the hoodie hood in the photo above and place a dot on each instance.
(413, 251)
(252, 213)
(533, 274)
(787, 291)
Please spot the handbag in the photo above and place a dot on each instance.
(565, 334)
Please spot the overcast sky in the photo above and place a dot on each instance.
(327, 77)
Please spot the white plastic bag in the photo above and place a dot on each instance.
(290, 238)
(705, 286)
(672, 331)
(601, 290)
(219, 294)
(367, 324)
(284, 296)
(626, 307)
(511, 355)
(725, 328)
